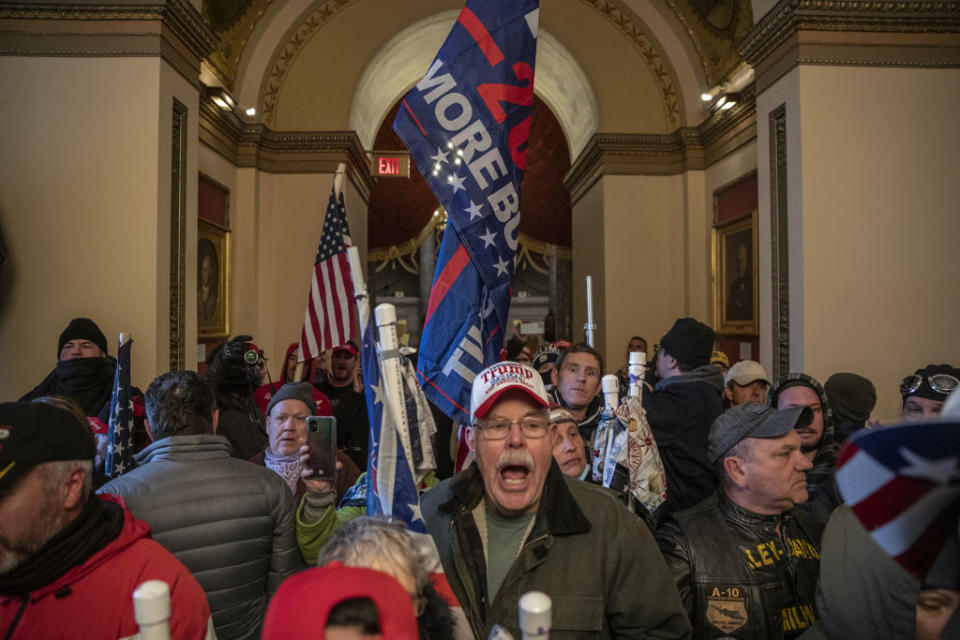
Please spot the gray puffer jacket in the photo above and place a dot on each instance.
(228, 520)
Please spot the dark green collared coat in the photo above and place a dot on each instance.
(597, 561)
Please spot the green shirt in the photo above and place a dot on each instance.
(504, 538)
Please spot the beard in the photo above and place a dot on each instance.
(48, 520)
(807, 448)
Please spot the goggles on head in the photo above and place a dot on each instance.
(942, 383)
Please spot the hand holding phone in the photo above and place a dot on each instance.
(322, 443)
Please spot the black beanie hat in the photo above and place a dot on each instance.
(851, 397)
(689, 341)
(82, 329)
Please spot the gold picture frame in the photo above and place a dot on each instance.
(213, 280)
(735, 276)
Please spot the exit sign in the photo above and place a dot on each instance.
(390, 166)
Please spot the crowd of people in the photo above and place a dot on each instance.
(753, 539)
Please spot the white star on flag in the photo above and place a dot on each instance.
(488, 238)
(417, 515)
(939, 471)
(474, 210)
(501, 266)
(379, 392)
(440, 157)
(456, 182)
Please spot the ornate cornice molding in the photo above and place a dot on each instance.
(253, 144)
(687, 148)
(917, 33)
(171, 29)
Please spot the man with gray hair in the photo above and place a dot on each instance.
(745, 560)
(512, 522)
(376, 543)
(228, 520)
(70, 560)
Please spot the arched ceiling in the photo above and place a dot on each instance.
(647, 60)
(560, 81)
(313, 78)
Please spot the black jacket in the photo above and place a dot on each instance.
(242, 424)
(349, 407)
(741, 574)
(229, 521)
(89, 383)
(680, 411)
(596, 561)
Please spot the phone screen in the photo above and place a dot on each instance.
(322, 440)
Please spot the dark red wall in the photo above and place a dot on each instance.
(400, 208)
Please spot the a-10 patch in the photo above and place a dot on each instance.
(726, 606)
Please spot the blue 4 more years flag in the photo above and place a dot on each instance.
(466, 125)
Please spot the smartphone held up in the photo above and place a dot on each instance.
(322, 441)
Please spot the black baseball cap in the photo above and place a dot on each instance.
(753, 420)
(31, 434)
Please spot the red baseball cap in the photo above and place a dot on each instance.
(303, 602)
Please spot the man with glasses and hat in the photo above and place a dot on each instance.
(926, 390)
(513, 523)
(745, 560)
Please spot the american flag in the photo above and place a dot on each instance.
(391, 482)
(903, 484)
(330, 315)
(120, 450)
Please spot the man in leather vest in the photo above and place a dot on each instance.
(744, 560)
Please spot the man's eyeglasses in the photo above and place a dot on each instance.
(498, 429)
(940, 382)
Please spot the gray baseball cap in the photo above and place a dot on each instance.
(753, 420)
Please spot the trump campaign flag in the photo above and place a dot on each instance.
(903, 484)
(466, 124)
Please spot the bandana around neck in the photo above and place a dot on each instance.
(287, 467)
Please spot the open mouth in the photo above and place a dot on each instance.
(514, 475)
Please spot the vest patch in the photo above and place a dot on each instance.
(726, 606)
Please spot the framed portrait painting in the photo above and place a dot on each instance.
(213, 280)
(735, 275)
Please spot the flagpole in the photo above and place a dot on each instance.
(388, 355)
(589, 328)
(385, 316)
(338, 178)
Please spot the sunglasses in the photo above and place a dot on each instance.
(940, 382)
